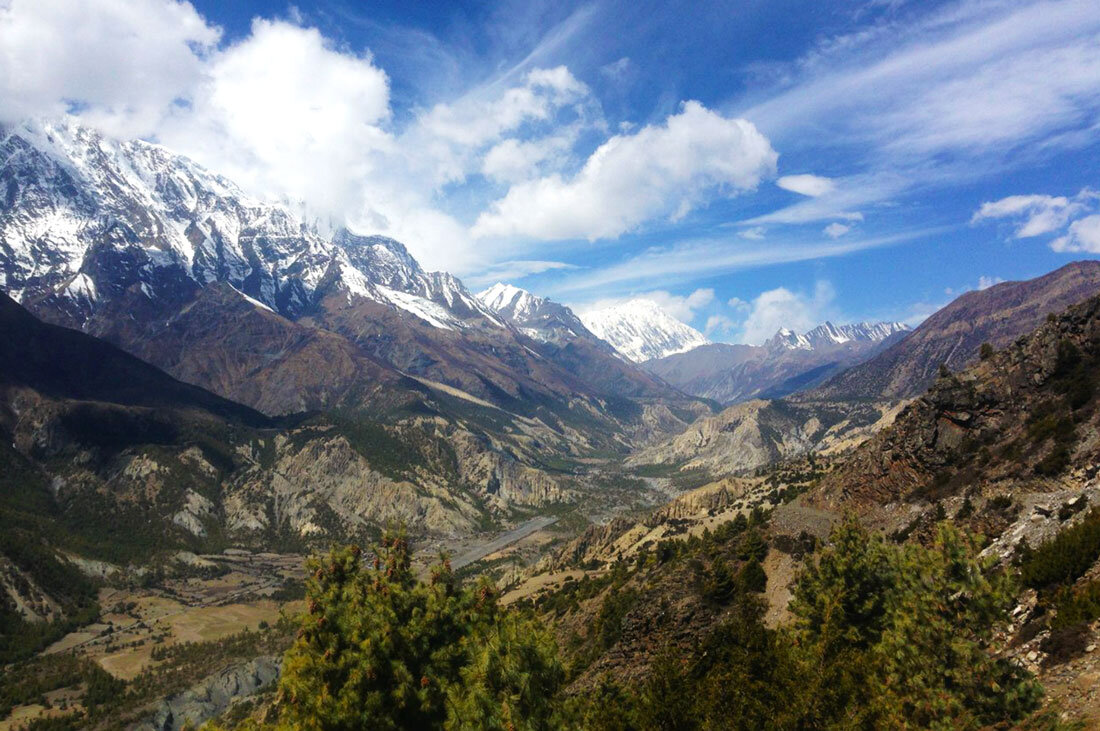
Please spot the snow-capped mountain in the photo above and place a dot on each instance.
(640, 330)
(788, 362)
(87, 217)
(133, 243)
(828, 335)
(534, 316)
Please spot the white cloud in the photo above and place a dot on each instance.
(289, 114)
(718, 324)
(548, 108)
(781, 307)
(835, 230)
(1083, 236)
(285, 113)
(756, 233)
(476, 120)
(809, 185)
(616, 69)
(967, 74)
(1040, 213)
(125, 61)
(630, 179)
(738, 304)
(966, 90)
(682, 307)
(686, 260)
(511, 271)
(985, 282)
(513, 160)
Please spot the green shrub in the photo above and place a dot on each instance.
(378, 648)
(1077, 605)
(1066, 557)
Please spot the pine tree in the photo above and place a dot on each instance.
(380, 649)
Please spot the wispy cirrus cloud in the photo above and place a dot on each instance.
(516, 270)
(688, 260)
(806, 184)
(938, 100)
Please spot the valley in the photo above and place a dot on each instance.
(221, 422)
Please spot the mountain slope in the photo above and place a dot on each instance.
(560, 336)
(640, 330)
(953, 335)
(123, 240)
(110, 457)
(1021, 419)
(786, 363)
(60, 363)
(865, 398)
(536, 317)
(88, 216)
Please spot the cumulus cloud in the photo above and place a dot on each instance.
(513, 160)
(287, 113)
(756, 233)
(781, 307)
(125, 61)
(682, 307)
(284, 112)
(738, 304)
(1042, 214)
(719, 325)
(985, 282)
(1037, 214)
(1083, 236)
(809, 185)
(835, 230)
(661, 170)
(549, 106)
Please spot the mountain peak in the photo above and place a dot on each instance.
(89, 216)
(828, 334)
(640, 330)
(537, 317)
(508, 299)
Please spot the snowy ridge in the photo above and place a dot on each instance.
(829, 335)
(89, 215)
(536, 317)
(640, 330)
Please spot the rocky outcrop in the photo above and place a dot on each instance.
(750, 435)
(212, 696)
(953, 336)
(1025, 418)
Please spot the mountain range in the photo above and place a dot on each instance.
(131, 243)
(860, 401)
(185, 370)
(786, 363)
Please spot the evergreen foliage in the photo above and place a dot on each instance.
(1066, 557)
(884, 636)
(380, 649)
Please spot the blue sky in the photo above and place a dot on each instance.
(746, 164)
